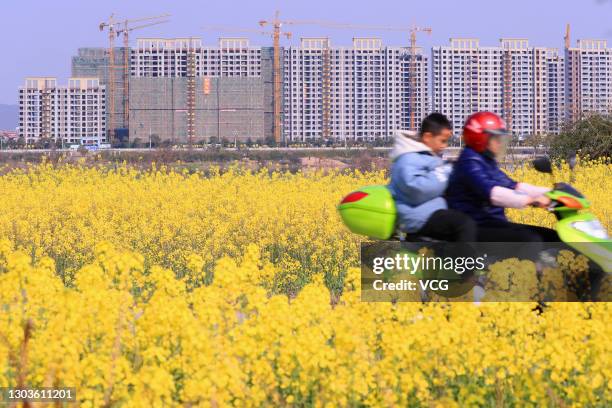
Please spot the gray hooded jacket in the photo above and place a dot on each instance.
(418, 180)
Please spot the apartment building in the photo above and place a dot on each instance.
(513, 79)
(350, 93)
(169, 58)
(555, 91)
(588, 78)
(358, 92)
(70, 114)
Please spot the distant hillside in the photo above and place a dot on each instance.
(9, 117)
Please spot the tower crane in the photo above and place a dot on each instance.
(116, 27)
(111, 26)
(413, 30)
(277, 24)
(277, 31)
(413, 69)
(125, 32)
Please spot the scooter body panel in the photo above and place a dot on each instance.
(597, 249)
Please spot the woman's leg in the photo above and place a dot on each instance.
(501, 231)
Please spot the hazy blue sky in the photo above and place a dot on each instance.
(40, 36)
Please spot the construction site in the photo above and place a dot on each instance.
(185, 92)
(181, 90)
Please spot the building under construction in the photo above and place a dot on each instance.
(224, 108)
(93, 62)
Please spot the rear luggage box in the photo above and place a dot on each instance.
(369, 211)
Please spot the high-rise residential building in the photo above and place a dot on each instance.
(466, 78)
(358, 92)
(70, 114)
(158, 57)
(513, 80)
(588, 79)
(350, 93)
(555, 91)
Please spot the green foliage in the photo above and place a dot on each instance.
(591, 136)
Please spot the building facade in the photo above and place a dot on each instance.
(228, 90)
(350, 93)
(168, 58)
(93, 62)
(75, 113)
(519, 82)
(359, 92)
(588, 79)
(224, 108)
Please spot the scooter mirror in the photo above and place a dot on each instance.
(543, 165)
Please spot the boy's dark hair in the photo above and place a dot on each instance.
(435, 123)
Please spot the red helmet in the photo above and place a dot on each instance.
(479, 127)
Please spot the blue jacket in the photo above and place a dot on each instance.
(418, 181)
(470, 184)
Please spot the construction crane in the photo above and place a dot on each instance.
(507, 86)
(276, 23)
(115, 27)
(111, 26)
(413, 71)
(191, 93)
(125, 32)
(276, 34)
(413, 30)
(574, 94)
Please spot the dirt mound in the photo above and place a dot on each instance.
(322, 163)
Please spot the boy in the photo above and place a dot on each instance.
(419, 177)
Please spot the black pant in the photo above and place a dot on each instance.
(449, 225)
(504, 231)
(532, 236)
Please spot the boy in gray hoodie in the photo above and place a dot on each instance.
(419, 177)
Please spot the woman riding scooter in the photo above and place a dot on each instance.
(480, 189)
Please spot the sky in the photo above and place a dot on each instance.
(40, 36)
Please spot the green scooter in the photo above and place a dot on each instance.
(576, 226)
(371, 211)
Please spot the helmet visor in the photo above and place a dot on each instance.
(498, 132)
